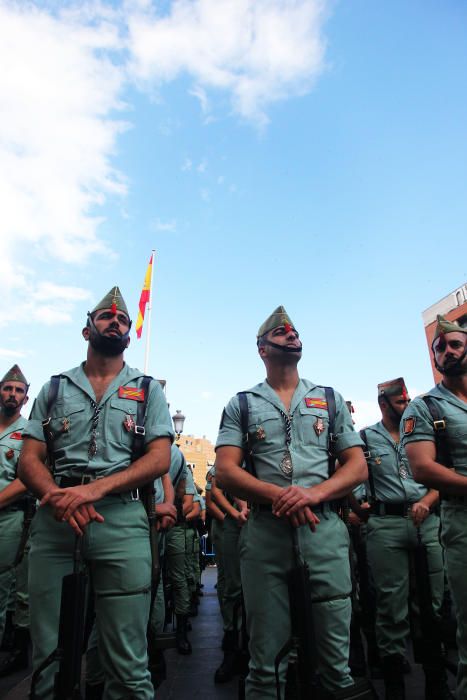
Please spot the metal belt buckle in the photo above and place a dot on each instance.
(134, 494)
(140, 430)
(86, 479)
(439, 424)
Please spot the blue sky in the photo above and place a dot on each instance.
(296, 152)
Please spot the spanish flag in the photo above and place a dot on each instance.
(144, 299)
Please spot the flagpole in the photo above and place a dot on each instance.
(149, 309)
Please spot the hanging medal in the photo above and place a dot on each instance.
(286, 464)
(92, 449)
(403, 473)
(65, 425)
(260, 433)
(129, 424)
(318, 426)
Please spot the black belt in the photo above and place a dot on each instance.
(22, 504)
(401, 509)
(68, 481)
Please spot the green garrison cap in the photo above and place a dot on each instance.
(445, 326)
(112, 300)
(14, 375)
(394, 387)
(279, 317)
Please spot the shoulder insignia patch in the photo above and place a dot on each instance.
(131, 392)
(316, 403)
(17, 435)
(409, 425)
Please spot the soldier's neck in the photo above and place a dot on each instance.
(392, 427)
(6, 421)
(457, 386)
(284, 380)
(101, 371)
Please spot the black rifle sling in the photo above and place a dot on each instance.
(332, 438)
(48, 434)
(367, 454)
(443, 453)
(179, 473)
(140, 431)
(247, 455)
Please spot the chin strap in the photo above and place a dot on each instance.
(457, 366)
(123, 337)
(282, 347)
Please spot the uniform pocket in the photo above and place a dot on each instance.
(314, 427)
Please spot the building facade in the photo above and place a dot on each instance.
(454, 308)
(199, 454)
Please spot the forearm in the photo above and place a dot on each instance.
(430, 499)
(150, 466)
(11, 493)
(194, 512)
(212, 508)
(169, 492)
(427, 471)
(221, 501)
(353, 471)
(32, 470)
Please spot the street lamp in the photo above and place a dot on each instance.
(178, 420)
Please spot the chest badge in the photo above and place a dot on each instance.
(378, 460)
(318, 426)
(129, 424)
(65, 425)
(9, 454)
(260, 433)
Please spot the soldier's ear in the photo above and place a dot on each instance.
(85, 333)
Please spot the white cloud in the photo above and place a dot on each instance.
(169, 226)
(64, 70)
(257, 51)
(11, 353)
(48, 290)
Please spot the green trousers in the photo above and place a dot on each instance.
(266, 557)
(232, 616)
(454, 540)
(192, 558)
(118, 555)
(12, 580)
(177, 540)
(217, 536)
(389, 541)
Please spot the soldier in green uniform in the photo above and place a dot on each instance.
(293, 491)
(175, 552)
(434, 433)
(13, 508)
(235, 513)
(401, 516)
(92, 493)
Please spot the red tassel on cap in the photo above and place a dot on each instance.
(113, 308)
(288, 327)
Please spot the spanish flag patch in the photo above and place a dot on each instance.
(409, 425)
(316, 403)
(131, 392)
